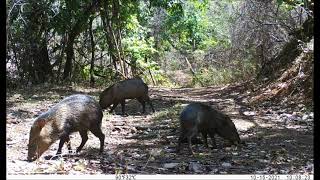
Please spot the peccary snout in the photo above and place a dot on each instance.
(227, 130)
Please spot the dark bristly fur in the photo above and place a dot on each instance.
(74, 113)
(199, 118)
(127, 89)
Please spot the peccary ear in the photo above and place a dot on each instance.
(41, 123)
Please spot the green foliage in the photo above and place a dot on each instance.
(101, 74)
(279, 2)
(239, 71)
(290, 2)
(186, 27)
(160, 77)
(85, 72)
(287, 5)
(105, 75)
(141, 51)
(214, 76)
(136, 44)
(194, 25)
(246, 69)
(186, 24)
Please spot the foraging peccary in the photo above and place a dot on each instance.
(127, 89)
(199, 118)
(74, 113)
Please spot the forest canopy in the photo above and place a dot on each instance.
(166, 42)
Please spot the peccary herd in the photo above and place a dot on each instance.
(82, 113)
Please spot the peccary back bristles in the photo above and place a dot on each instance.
(200, 118)
(127, 89)
(74, 113)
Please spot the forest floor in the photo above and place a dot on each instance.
(278, 138)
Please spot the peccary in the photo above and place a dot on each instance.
(127, 89)
(74, 113)
(200, 118)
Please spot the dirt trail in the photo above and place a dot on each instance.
(276, 142)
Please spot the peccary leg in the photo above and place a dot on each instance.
(63, 138)
(123, 103)
(113, 107)
(98, 133)
(213, 140)
(189, 135)
(143, 103)
(84, 137)
(189, 145)
(69, 144)
(181, 137)
(150, 103)
(204, 136)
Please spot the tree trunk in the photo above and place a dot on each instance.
(92, 54)
(112, 31)
(70, 56)
(43, 66)
(75, 31)
(63, 42)
(106, 23)
(193, 72)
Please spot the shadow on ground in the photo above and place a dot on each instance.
(146, 143)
